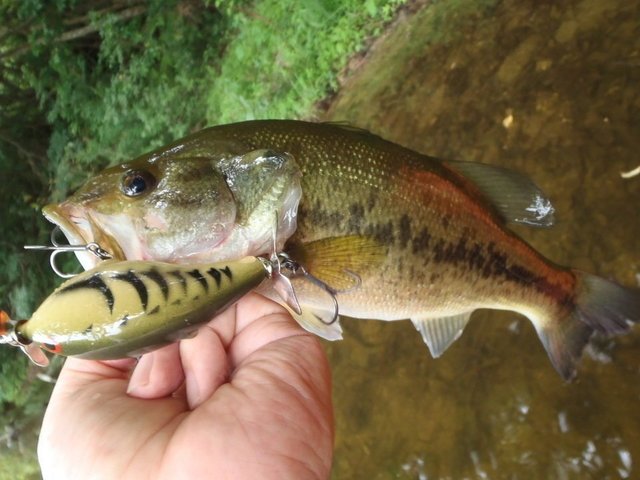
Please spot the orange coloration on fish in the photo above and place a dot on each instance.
(397, 234)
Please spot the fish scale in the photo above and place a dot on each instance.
(399, 235)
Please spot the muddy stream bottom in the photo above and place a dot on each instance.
(549, 89)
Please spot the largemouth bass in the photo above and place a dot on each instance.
(397, 234)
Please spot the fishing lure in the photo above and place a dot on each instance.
(127, 308)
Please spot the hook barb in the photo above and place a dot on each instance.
(57, 248)
(298, 271)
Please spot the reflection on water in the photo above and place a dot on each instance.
(550, 90)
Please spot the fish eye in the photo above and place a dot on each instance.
(136, 182)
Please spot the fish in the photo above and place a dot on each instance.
(396, 234)
(135, 307)
(185, 212)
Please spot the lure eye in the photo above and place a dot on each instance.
(136, 182)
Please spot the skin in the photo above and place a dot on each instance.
(248, 397)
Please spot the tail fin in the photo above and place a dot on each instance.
(601, 306)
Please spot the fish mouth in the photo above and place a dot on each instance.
(79, 229)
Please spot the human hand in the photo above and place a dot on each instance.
(248, 397)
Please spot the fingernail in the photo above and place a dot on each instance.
(141, 375)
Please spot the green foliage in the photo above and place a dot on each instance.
(84, 84)
(137, 87)
(18, 464)
(20, 424)
(13, 371)
(286, 56)
(22, 402)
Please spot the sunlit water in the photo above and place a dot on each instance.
(552, 91)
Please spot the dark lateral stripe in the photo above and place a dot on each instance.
(183, 281)
(200, 278)
(157, 277)
(490, 262)
(217, 276)
(227, 271)
(136, 283)
(93, 282)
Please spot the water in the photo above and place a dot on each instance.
(550, 89)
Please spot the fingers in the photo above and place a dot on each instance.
(77, 373)
(254, 322)
(220, 346)
(255, 306)
(205, 365)
(261, 332)
(157, 374)
(92, 427)
(201, 362)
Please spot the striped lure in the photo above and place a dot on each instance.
(127, 308)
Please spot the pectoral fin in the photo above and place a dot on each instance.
(340, 262)
(440, 333)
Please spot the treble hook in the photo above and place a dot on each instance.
(57, 248)
(9, 336)
(282, 282)
(298, 270)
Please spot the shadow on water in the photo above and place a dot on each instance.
(550, 90)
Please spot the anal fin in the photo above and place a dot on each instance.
(439, 333)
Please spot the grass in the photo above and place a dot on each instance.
(286, 56)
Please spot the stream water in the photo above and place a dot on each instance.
(550, 89)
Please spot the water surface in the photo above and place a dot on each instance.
(550, 89)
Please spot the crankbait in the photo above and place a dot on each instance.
(127, 308)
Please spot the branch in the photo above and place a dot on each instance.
(17, 30)
(29, 157)
(85, 16)
(122, 15)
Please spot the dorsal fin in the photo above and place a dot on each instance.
(514, 195)
(349, 127)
